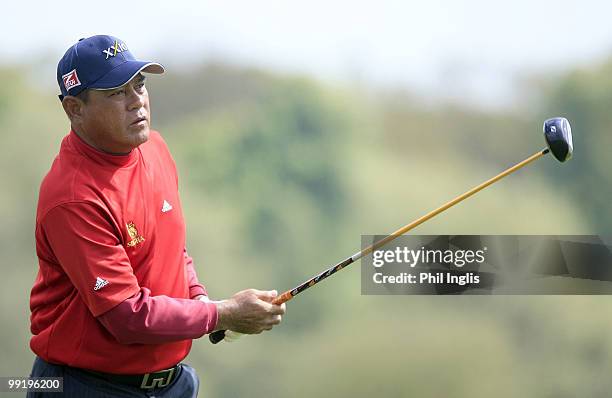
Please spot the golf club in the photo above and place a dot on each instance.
(558, 137)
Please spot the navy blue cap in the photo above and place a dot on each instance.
(99, 62)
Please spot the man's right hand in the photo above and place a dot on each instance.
(249, 311)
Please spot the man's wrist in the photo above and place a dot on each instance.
(224, 315)
(218, 324)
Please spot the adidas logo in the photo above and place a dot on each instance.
(100, 283)
(166, 207)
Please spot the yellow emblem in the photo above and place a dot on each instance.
(133, 232)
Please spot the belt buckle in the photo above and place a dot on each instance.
(157, 382)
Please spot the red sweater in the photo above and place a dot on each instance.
(115, 285)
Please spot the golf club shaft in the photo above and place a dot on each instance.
(217, 336)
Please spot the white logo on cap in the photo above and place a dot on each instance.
(115, 49)
(71, 80)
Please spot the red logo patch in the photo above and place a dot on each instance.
(71, 80)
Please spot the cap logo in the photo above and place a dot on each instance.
(71, 80)
(115, 49)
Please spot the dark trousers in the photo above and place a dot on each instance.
(81, 384)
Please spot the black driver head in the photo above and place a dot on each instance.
(558, 135)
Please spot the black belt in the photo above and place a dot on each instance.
(145, 381)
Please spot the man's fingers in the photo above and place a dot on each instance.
(279, 309)
(273, 322)
(256, 311)
(270, 308)
(275, 309)
(266, 295)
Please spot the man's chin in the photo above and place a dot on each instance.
(140, 135)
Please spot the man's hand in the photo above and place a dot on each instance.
(250, 311)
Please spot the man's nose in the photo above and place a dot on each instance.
(136, 99)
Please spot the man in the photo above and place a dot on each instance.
(117, 301)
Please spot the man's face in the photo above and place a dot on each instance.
(117, 121)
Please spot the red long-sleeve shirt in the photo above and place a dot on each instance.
(145, 319)
(115, 284)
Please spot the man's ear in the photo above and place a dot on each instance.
(73, 107)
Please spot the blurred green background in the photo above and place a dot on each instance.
(280, 174)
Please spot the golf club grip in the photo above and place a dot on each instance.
(217, 336)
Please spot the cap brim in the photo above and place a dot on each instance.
(124, 73)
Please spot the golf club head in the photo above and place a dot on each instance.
(558, 135)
